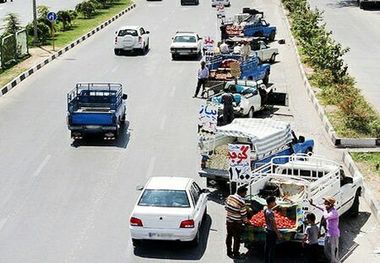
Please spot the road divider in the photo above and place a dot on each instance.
(5, 89)
(334, 138)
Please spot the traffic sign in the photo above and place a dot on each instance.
(51, 16)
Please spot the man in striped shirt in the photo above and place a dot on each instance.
(236, 217)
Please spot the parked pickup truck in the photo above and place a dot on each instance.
(294, 184)
(256, 27)
(259, 47)
(268, 138)
(250, 69)
(249, 96)
(96, 108)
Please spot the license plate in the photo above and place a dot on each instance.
(166, 235)
(183, 53)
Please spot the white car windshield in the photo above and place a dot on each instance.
(164, 198)
(125, 32)
(187, 39)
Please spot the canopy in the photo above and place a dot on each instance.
(266, 135)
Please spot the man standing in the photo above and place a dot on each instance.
(331, 216)
(272, 233)
(245, 50)
(236, 217)
(203, 74)
(224, 49)
(228, 108)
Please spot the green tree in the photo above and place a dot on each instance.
(65, 18)
(12, 24)
(87, 9)
(43, 31)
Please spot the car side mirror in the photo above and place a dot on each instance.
(301, 139)
(139, 188)
(115, 32)
(124, 97)
(200, 38)
(147, 32)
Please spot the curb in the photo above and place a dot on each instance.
(336, 141)
(13, 83)
(366, 193)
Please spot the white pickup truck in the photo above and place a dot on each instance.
(249, 96)
(263, 51)
(299, 180)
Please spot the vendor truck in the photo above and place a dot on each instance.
(268, 138)
(294, 184)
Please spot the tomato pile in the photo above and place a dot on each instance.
(282, 222)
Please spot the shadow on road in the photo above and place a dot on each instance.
(97, 140)
(354, 3)
(351, 228)
(176, 250)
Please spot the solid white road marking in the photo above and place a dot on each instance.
(42, 165)
(163, 122)
(149, 171)
(115, 68)
(172, 91)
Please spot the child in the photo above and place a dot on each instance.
(311, 238)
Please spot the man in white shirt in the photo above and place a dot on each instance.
(203, 74)
(245, 50)
(224, 49)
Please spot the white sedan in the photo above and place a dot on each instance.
(169, 208)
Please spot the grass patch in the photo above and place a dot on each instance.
(370, 160)
(8, 74)
(82, 26)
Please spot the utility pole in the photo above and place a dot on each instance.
(35, 22)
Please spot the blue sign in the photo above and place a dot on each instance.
(51, 16)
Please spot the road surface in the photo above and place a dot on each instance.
(359, 30)
(60, 203)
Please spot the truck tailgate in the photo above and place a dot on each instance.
(92, 118)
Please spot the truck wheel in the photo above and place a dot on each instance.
(354, 210)
(272, 35)
(123, 118)
(266, 78)
(309, 151)
(272, 58)
(251, 112)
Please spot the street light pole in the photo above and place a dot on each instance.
(35, 22)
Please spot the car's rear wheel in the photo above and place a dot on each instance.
(354, 209)
(174, 56)
(266, 78)
(251, 112)
(272, 58)
(272, 35)
(195, 242)
(117, 51)
(136, 242)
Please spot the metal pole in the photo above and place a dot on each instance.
(35, 22)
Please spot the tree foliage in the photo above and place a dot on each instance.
(87, 8)
(12, 24)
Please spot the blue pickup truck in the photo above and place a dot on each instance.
(256, 27)
(250, 69)
(96, 108)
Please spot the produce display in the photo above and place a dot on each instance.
(219, 159)
(282, 222)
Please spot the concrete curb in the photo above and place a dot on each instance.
(5, 89)
(336, 141)
(367, 194)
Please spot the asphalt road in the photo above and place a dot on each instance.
(24, 8)
(359, 30)
(60, 203)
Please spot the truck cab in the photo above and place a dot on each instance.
(96, 108)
